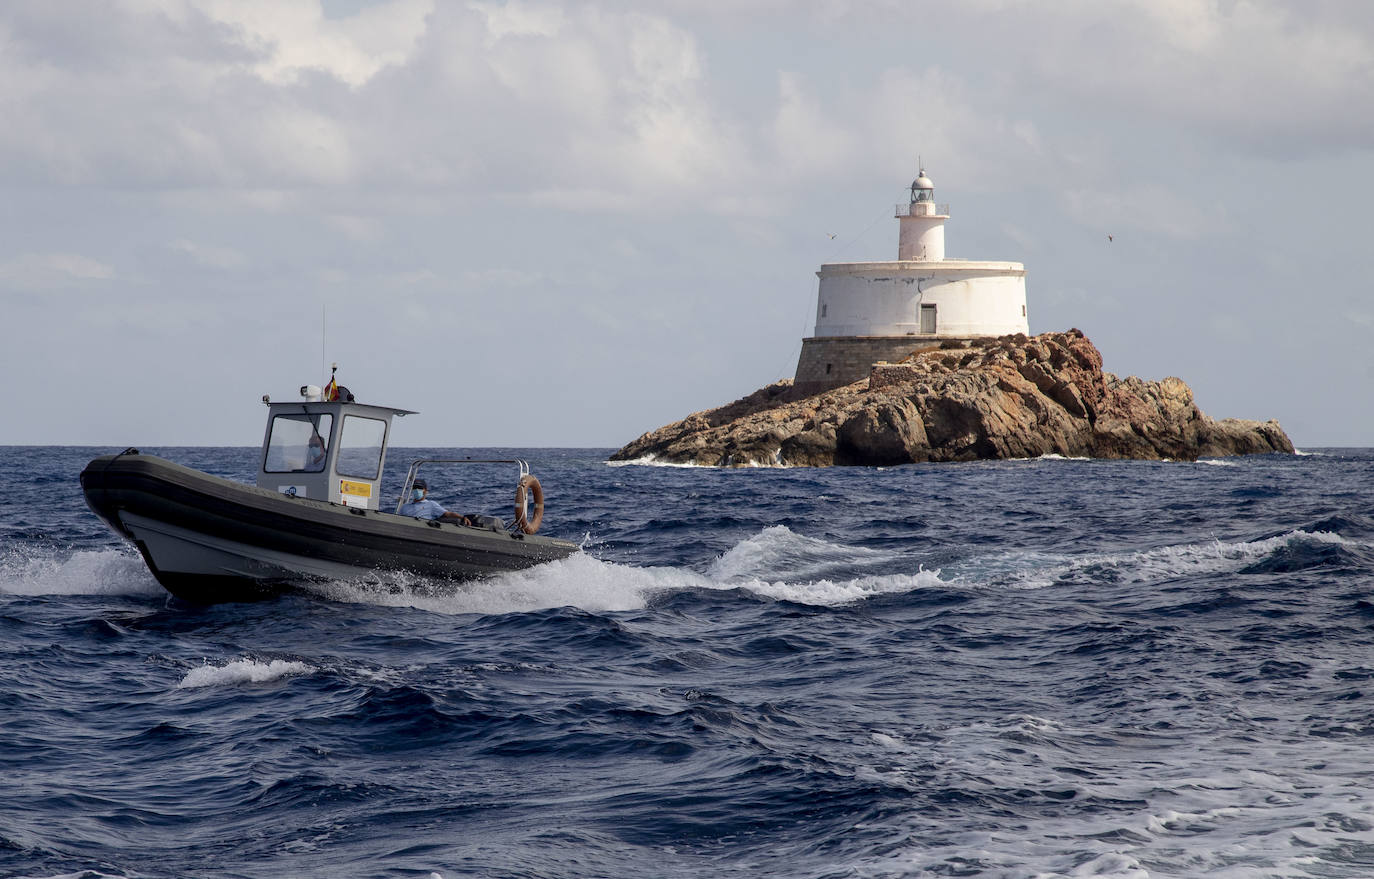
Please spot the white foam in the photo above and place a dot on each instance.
(84, 874)
(653, 461)
(1217, 462)
(887, 741)
(1190, 823)
(1187, 802)
(779, 552)
(830, 593)
(40, 571)
(242, 671)
(1112, 865)
(775, 563)
(779, 564)
(1033, 570)
(577, 581)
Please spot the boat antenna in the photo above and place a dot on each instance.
(324, 313)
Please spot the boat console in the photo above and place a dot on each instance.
(327, 450)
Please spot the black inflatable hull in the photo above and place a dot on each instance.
(209, 540)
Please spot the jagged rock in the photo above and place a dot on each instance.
(891, 432)
(1012, 397)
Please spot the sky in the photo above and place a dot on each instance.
(568, 223)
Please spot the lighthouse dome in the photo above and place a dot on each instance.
(922, 190)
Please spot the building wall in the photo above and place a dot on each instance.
(921, 237)
(885, 299)
(827, 363)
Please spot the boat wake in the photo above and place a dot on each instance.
(781, 565)
(776, 564)
(1036, 570)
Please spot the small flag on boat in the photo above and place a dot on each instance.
(331, 390)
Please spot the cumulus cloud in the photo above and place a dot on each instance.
(266, 94)
(1273, 78)
(627, 174)
(291, 37)
(611, 108)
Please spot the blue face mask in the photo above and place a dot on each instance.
(417, 494)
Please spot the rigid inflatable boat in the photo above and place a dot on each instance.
(314, 514)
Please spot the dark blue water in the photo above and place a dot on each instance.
(1020, 669)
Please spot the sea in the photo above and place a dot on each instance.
(1014, 669)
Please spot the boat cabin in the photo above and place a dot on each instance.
(328, 450)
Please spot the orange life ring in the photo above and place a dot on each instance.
(522, 519)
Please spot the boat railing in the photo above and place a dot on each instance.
(414, 470)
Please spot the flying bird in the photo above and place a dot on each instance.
(1109, 238)
(831, 234)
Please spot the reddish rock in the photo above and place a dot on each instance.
(1012, 397)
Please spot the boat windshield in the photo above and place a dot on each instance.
(360, 447)
(298, 443)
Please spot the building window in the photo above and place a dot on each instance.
(827, 369)
(1023, 311)
(822, 309)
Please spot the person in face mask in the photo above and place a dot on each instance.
(421, 507)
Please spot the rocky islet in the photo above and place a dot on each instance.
(997, 398)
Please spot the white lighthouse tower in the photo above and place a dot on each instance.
(871, 311)
(922, 224)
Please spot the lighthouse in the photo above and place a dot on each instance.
(922, 223)
(872, 311)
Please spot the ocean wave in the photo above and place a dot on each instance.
(779, 552)
(42, 571)
(242, 671)
(1039, 570)
(83, 874)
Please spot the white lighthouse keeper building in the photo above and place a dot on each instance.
(871, 311)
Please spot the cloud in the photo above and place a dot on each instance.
(806, 138)
(268, 95)
(1273, 78)
(292, 37)
(209, 255)
(1153, 208)
(42, 271)
(656, 181)
(615, 109)
(520, 20)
